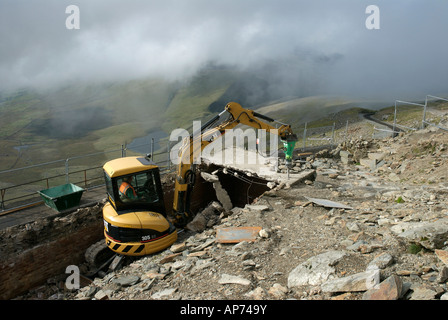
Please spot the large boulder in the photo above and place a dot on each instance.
(431, 235)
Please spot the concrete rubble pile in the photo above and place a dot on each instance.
(388, 239)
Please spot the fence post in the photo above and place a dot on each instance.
(66, 171)
(346, 131)
(424, 123)
(3, 191)
(304, 137)
(395, 116)
(152, 149)
(333, 134)
(424, 113)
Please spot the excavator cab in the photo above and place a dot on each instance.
(135, 220)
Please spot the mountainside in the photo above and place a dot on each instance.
(78, 119)
(81, 119)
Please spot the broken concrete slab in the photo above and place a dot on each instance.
(115, 262)
(209, 177)
(378, 156)
(237, 234)
(178, 247)
(170, 258)
(255, 207)
(201, 247)
(381, 261)
(259, 166)
(126, 281)
(362, 281)
(101, 295)
(163, 293)
(221, 193)
(230, 279)
(345, 154)
(346, 157)
(302, 176)
(394, 177)
(206, 218)
(368, 163)
(329, 203)
(316, 270)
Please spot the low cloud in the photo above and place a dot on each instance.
(323, 45)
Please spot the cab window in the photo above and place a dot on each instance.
(137, 188)
(109, 186)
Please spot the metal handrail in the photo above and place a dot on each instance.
(163, 170)
(67, 174)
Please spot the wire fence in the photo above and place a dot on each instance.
(415, 117)
(437, 100)
(316, 136)
(86, 170)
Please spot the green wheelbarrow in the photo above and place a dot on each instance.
(62, 197)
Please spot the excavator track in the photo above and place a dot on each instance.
(97, 254)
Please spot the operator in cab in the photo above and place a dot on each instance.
(127, 190)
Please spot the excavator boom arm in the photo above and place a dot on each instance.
(252, 119)
(193, 145)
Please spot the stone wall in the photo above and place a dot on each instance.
(34, 252)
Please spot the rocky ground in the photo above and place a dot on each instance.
(385, 237)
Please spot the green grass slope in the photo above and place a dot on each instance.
(81, 119)
(87, 118)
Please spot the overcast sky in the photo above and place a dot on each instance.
(120, 40)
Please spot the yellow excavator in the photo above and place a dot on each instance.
(136, 222)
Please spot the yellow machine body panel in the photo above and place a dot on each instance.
(140, 249)
(137, 233)
(135, 221)
(125, 166)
